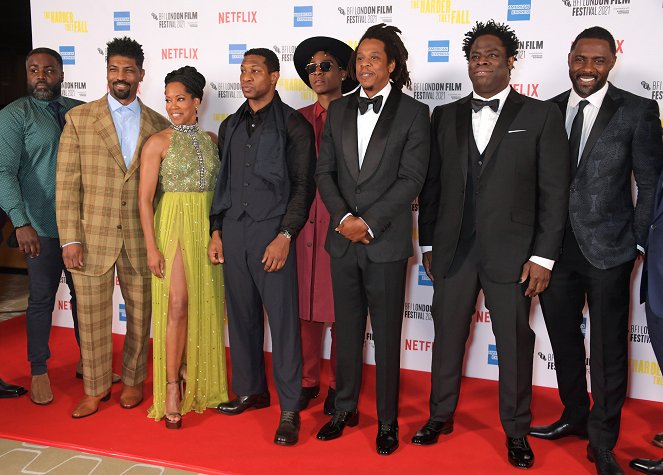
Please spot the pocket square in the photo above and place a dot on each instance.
(516, 131)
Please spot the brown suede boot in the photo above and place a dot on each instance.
(40, 390)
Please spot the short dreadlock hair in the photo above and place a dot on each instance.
(395, 49)
(501, 30)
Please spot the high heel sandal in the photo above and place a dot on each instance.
(173, 424)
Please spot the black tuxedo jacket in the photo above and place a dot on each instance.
(625, 139)
(522, 192)
(393, 172)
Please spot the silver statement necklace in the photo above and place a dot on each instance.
(192, 131)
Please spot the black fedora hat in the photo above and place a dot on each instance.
(307, 48)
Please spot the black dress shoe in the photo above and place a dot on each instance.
(242, 403)
(330, 402)
(658, 440)
(10, 390)
(604, 460)
(387, 439)
(654, 467)
(519, 452)
(334, 428)
(306, 395)
(559, 429)
(430, 432)
(288, 431)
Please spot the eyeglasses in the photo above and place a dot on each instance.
(325, 67)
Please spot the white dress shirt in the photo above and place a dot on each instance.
(365, 126)
(483, 124)
(589, 113)
(127, 125)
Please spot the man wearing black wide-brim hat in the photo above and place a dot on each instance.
(321, 62)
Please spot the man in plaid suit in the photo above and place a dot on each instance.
(98, 222)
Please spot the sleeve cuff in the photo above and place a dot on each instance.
(70, 243)
(426, 248)
(543, 262)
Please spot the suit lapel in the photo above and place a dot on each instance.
(105, 127)
(463, 124)
(608, 108)
(511, 108)
(349, 139)
(379, 137)
(147, 129)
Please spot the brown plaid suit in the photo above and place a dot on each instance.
(97, 205)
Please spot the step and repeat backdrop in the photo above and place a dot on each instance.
(213, 35)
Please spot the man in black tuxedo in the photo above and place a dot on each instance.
(371, 166)
(262, 197)
(611, 135)
(493, 209)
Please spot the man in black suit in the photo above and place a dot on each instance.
(262, 197)
(493, 209)
(371, 166)
(611, 135)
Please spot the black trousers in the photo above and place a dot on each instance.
(454, 304)
(248, 288)
(361, 286)
(44, 273)
(608, 296)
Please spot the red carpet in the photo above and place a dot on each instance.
(212, 443)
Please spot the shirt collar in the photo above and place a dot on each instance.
(45, 104)
(595, 99)
(384, 92)
(502, 95)
(318, 110)
(114, 104)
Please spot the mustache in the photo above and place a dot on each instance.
(120, 82)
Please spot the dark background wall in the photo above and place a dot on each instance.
(16, 33)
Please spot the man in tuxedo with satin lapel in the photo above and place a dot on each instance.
(652, 279)
(493, 209)
(371, 166)
(612, 135)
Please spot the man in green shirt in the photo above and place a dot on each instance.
(30, 129)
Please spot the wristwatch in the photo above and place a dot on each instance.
(285, 233)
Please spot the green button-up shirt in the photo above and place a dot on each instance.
(29, 138)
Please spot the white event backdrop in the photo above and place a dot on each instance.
(212, 36)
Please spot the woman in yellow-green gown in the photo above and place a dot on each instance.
(179, 166)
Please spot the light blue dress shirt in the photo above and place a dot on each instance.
(127, 125)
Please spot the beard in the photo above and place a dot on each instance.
(45, 94)
(121, 94)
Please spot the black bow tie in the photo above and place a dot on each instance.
(364, 102)
(478, 104)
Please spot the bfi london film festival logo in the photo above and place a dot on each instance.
(639, 334)
(244, 16)
(589, 8)
(530, 49)
(417, 311)
(122, 21)
(437, 91)
(68, 54)
(655, 88)
(67, 19)
(368, 340)
(285, 53)
(492, 355)
(438, 51)
(176, 19)
(302, 16)
(236, 53)
(74, 89)
(519, 10)
(442, 11)
(367, 13)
